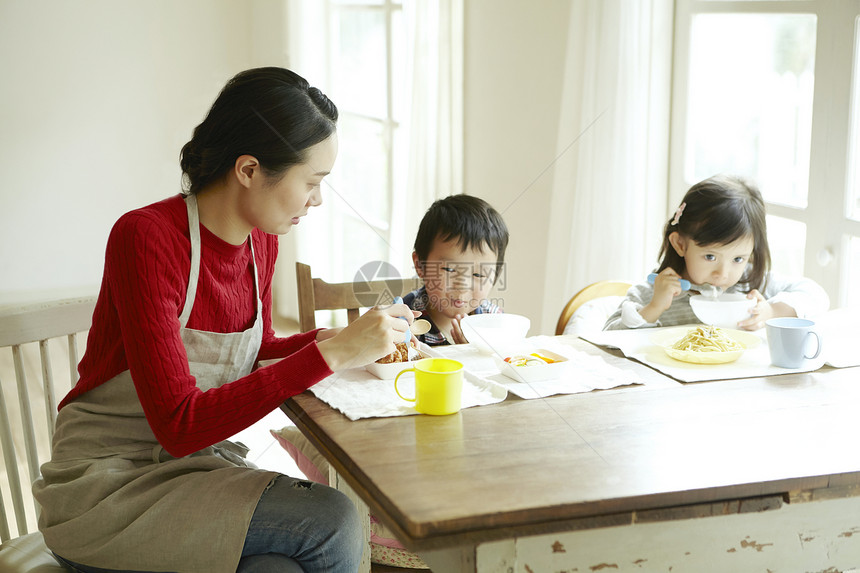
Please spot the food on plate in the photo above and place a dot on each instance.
(707, 338)
(399, 355)
(529, 360)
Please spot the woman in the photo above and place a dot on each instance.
(141, 477)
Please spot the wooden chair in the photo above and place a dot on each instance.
(591, 292)
(50, 326)
(316, 294)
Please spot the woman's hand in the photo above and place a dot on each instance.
(667, 286)
(764, 311)
(369, 338)
(326, 333)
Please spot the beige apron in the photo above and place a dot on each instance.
(113, 498)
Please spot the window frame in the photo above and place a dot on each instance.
(827, 236)
(388, 124)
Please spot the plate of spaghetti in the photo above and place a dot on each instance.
(705, 344)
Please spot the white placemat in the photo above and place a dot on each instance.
(637, 344)
(359, 394)
(585, 373)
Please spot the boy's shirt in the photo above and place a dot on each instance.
(418, 300)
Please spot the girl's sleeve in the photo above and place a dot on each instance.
(627, 314)
(148, 276)
(804, 295)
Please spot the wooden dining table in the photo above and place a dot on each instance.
(750, 474)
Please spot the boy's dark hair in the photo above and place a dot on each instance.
(719, 211)
(270, 113)
(470, 220)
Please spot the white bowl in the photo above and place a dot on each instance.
(534, 372)
(392, 369)
(495, 333)
(725, 311)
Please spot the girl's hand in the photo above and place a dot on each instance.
(369, 338)
(457, 336)
(761, 312)
(667, 286)
(764, 311)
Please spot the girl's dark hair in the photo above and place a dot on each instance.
(719, 211)
(469, 220)
(269, 113)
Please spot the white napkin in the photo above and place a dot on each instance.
(585, 373)
(359, 394)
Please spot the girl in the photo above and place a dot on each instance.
(141, 476)
(718, 236)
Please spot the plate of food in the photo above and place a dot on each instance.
(533, 365)
(388, 367)
(705, 344)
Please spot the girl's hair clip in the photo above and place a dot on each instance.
(678, 212)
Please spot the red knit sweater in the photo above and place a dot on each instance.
(136, 328)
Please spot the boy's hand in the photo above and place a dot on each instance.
(457, 336)
(764, 311)
(667, 286)
(369, 338)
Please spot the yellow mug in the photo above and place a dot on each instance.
(438, 386)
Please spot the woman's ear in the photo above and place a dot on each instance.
(419, 268)
(678, 242)
(246, 169)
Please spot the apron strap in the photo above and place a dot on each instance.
(194, 274)
(194, 235)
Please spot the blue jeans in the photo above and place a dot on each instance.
(298, 527)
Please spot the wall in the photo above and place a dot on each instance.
(514, 75)
(97, 99)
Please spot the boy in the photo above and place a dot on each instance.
(459, 251)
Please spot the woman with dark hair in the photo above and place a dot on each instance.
(142, 477)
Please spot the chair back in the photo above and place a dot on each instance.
(316, 294)
(591, 292)
(34, 337)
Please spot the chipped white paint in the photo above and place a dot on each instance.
(813, 537)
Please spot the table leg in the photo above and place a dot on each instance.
(340, 484)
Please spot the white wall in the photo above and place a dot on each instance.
(97, 98)
(514, 80)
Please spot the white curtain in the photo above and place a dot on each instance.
(611, 179)
(434, 130)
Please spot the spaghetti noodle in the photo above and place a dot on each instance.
(707, 339)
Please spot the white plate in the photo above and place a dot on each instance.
(666, 338)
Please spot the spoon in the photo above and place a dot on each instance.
(419, 327)
(685, 284)
(710, 291)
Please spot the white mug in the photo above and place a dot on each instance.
(789, 340)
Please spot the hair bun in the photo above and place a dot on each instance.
(322, 102)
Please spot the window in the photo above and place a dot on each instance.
(394, 70)
(762, 89)
(358, 55)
